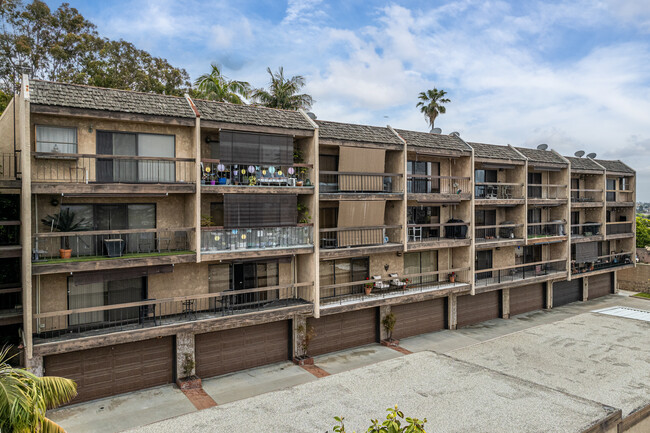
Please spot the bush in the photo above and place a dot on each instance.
(393, 424)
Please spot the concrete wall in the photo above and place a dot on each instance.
(635, 279)
(7, 129)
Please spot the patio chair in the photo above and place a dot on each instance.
(396, 282)
(380, 284)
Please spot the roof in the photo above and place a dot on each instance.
(251, 115)
(354, 132)
(536, 155)
(427, 139)
(483, 150)
(99, 98)
(614, 165)
(583, 163)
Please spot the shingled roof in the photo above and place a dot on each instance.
(436, 141)
(483, 150)
(354, 132)
(583, 163)
(99, 98)
(536, 155)
(251, 115)
(614, 165)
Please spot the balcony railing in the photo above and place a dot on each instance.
(219, 239)
(103, 244)
(619, 228)
(355, 182)
(499, 191)
(586, 229)
(586, 195)
(547, 191)
(544, 230)
(503, 232)
(602, 262)
(355, 291)
(487, 277)
(427, 184)
(8, 164)
(90, 168)
(11, 301)
(216, 173)
(620, 196)
(343, 237)
(9, 233)
(92, 321)
(437, 232)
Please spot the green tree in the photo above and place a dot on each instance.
(217, 87)
(24, 398)
(393, 424)
(283, 92)
(642, 232)
(431, 104)
(5, 98)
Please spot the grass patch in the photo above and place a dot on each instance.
(125, 256)
(642, 295)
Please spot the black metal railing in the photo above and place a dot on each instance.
(437, 232)
(502, 232)
(544, 230)
(619, 228)
(487, 277)
(546, 191)
(602, 262)
(218, 239)
(499, 191)
(429, 184)
(586, 195)
(216, 173)
(342, 237)
(356, 182)
(586, 229)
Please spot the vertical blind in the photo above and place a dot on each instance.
(259, 210)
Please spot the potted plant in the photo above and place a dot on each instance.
(252, 180)
(207, 221)
(452, 277)
(388, 322)
(306, 333)
(64, 222)
(188, 380)
(303, 214)
(406, 282)
(368, 286)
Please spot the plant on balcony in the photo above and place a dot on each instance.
(406, 282)
(64, 222)
(306, 334)
(388, 322)
(252, 180)
(368, 286)
(207, 221)
(452, 277)
(303, 214)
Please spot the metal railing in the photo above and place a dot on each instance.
(499, 191)
(586, 229)
(499, 232)
(90, 168)
(437, 232)
(8, 164)
(619, 196)
(9, 233)
(356, 182)
(619, 227)
(427, 184)
(219, 239)
(11, 300)
(547, 229)
(213, 172)
(342, 237)
(487, 277)
(602, 262)
(546, 191)
(148, 313)
(586, 195)
(110, 243)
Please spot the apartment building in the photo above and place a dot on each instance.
(151, 229)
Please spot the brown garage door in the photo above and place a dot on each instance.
(419, 318)
(478, 308)
(527, 298)
(112, 370)
(565, 292)
(600, 285)
(237, 349)
(343, 331)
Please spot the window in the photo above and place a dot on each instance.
(534, 216)
(260, 210)
(575, 187)
(483, 261)
(420, 263)
(485, 217)
(423, 184)
(56, 139)
(575, 220)
(534, 179)
(422, 215)
(532, 254)
(485, 176)
(611, 193)
(246, 148)
(105, 293)
(343, 271)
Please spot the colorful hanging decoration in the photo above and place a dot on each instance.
(207, 169)
(221, 167)
(291, 170)
(251, 169)
(271, 169)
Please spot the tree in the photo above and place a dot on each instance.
(431, 104)
(642, 232)
(217, 87)
(393, 424)
(24, 398)
(283, 93)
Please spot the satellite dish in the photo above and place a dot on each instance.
(579, 153)
(542, 146)
(311, 115)
(591, 155)
(455, 134)
(436, 130)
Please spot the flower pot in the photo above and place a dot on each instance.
(452, 278)
(191, 382)
(391, 342)
(299, 183)
(213, 182)
(65, 254)
(303, 360)
(222, 180)
(368, 290)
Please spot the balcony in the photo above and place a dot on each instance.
(152, 313)
(343, 184)
(586, 198)
(490, 193)
(11, 308)
(350, 239)
(609, 261)
(241, 178)
(546, 194)
(454, 188)
(586, 232)
(616, 197)
(218, 240)
(530, 271)
(10, 239)
(543, 231)
(427, 282)
(620, 229)
(8, 164)
(440, 235)
(504, 234)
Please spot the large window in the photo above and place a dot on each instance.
(420, 263)
(260, 210)
(483, 261)
(533, 180)
(423, 184)
(56, 139)
(611, 186)
(343, 271)
(485, 176)
(99, 294)
(246, 148)
(423, 215)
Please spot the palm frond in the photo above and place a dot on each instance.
(49, 426)
(56, 390)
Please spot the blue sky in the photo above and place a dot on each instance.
(573, 74)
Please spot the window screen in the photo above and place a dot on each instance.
(244, 148)
(259, 210)
(56, 139)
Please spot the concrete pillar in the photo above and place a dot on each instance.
(505, 303)
(35, 365)
(184, 345)
(585, 289)
(616, 279)
(299, 329)
(384, 311)
(549, 295)
(452, 303)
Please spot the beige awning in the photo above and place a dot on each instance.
(361, 214)
(360, 160)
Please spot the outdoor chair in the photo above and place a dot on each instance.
(380, 284)
(396, 282)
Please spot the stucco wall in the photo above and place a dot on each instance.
(635, 279)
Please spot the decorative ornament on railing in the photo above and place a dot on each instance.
(271, 169)
(221, 167)
(251, 169)
(291, 170)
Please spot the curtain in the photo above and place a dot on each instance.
(259, 210)
(141, 216)
(360, 160)
(85, 296)
(124, 170)
(56, 139)
(361, 214)
(156, 145)
(245, 148)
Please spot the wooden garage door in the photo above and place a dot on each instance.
(565, 292)
(419, 318)
(237, 349)
(478, 308)
(527, 298)
(112, 370)
(343, 331)
(600, 285)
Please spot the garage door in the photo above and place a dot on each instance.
(237, 349)
(343, 331)
(600, 285)
(419, 318)
(565, 292)
(478, 308)
(527, 298)
(112, 370)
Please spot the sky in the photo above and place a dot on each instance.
(573, 74)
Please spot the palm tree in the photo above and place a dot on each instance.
(431, 104)
(24, 398)
(283, 93)
(217, 87)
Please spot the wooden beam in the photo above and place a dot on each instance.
(111, 115)
(243, 189)
(10, 251)
(111, 189)
(343, 196)
(116, 263)
(363, 144)
(244, 254)
(327, 254)
(212, 124)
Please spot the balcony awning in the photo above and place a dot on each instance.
(587, 252)
(90, 277)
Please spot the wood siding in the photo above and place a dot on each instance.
(419, 318)
(600, 285)
(527, 298)
(343, 331)
(478, 308)
(565, 292)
